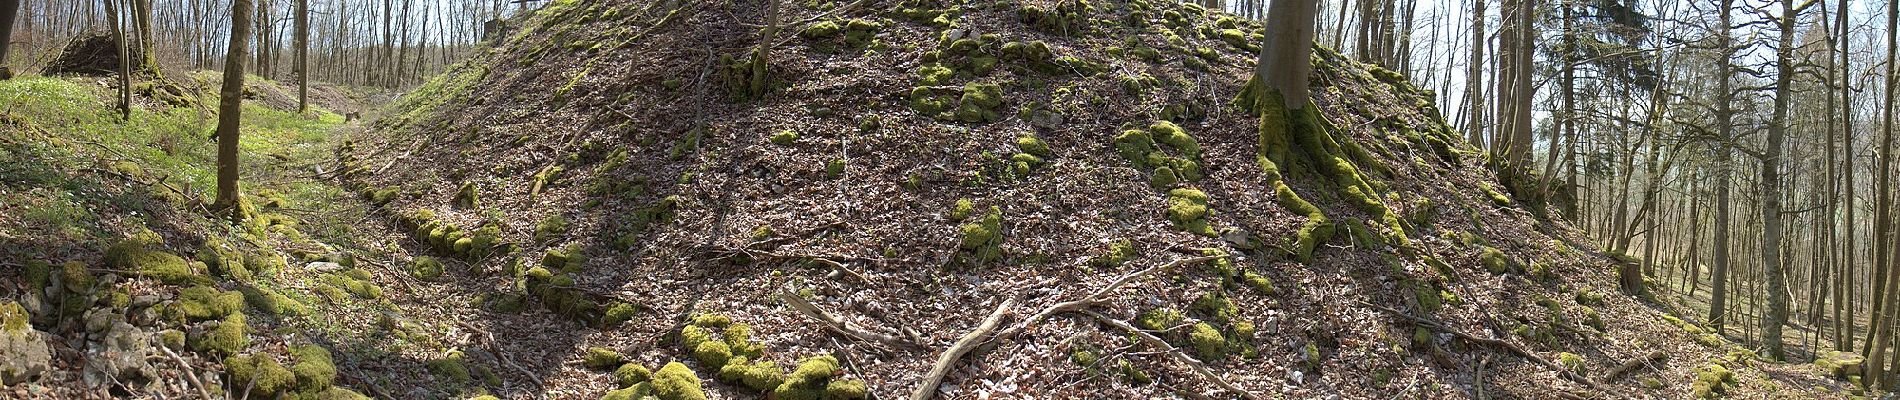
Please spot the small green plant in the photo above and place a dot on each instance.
(785, 138)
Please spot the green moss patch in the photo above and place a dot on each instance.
(982, 240)
(263, 374)
(228, 337)
(1187, 208)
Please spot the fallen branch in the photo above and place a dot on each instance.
(928, 388)
(1098, 296)
(1632, 365)
(1507, 346)
(1179, 356)
(488, 340)
(190, 376)
(845, 328)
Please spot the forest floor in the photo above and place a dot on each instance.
(1799, 336)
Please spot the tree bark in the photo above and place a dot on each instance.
(1882, 317)
(303, 56)
(230, 107)
(9, 10)
(1844, 323)
(1724, 115)
(113, 11)
(1474, 78)
(1772, 268)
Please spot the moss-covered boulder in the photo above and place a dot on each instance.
(262, 373)
(24, 354)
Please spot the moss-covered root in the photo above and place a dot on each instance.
(1317, 228)
(1284, 130)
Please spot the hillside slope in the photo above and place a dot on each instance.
(910, 168)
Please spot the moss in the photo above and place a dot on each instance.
(1159, 319)
(982, 240)
(1495, 260)
(961, 211)
(785, 138)
(630, 374)
(1496, 196)
(1033, 145)
(821, 29)
(272, 302)
(676, 382)
(551, 227)
(452, 367)
(314, 370)
(1215, 306)
(845, 389)
(835, 169)
(467, 197)
(1118, 253)
(1187, 208)
(979, 103)
(618, 313)
(426, 268)
(262, 373)
(1084, 358)
(712, 354)
(1712, 381)
(759, 376)
(601, 358)
(131, 255)
(1132, 374)
(1571, 362)
(1207, 342)
(934, 75)
(201, 303)
(383, 196)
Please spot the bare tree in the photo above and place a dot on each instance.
(9, 10)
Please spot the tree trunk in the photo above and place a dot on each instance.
(113, 11)
(1772, 267)
(1880, 319)
(230, 107)
(762, 57)
(303, 56)
(9, 9)
(1844, 324)
(1724, 114)
(147, 52)
(1474, 79)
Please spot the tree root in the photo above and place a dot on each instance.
(1633, 365)
(928, 388)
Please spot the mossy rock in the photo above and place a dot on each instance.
(760, 376)
(315, 369)
(132, 255)
(982, 240)
(201, 303)
(1187, 208)
(453, 367)
(676, 382)
(263, 374)
(979, 103)
(1118, 253)
(602, 358)
(1207, 342)
(1712, 381)
(426, 268)
(630, 374)
(270, 301)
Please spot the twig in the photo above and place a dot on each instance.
(1632, 365)
(1175, 353)
(1507, 346)
(488, 340)
(844, 328)
(928, 388)
(191, 377)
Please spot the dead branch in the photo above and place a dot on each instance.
(928, 388)
(190, 376)
(845, 328)
(1175, 353)
(488, 341)
(1092, 298)
(1632, 365)
(1500, 344)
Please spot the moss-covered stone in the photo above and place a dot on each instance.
(1712, 381)
(1033, 145)
(426, 268)
(677, 382)
(132, 255)
(551, 227)
(1187, 208)
(1207, 342)
(263, 374)
(982, 240)
(961, 210)
(979, 103)
(846, 389)
(201, 303)
(452, 367)
(272, 302)
(1131, 374)
(760, 376)
(618, 313)
(1118, 253)
(630, 374)
(785, 138)
(468, 196)
(315, 370)
(1159, 319)
(1495, 261)
(602, 358)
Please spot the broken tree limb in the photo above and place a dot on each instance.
(1500, 344)
(1196, 365)
(1632, 365)
(191, 377)
(928, 388)
(1092, 298)
(844, 328)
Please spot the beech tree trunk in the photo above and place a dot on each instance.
(1772, 268)
(9, 9)
(230, 107)
(1724, 113)
(1286, 59)
(303, 56)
